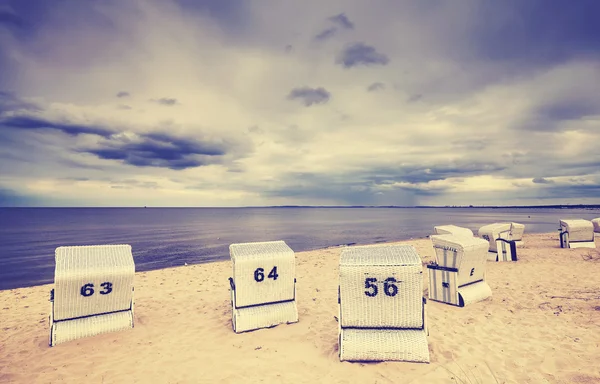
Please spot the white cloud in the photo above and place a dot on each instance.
(436, 117)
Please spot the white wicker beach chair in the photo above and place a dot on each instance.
(596, 223)
(93, 291)
(577, 233)
(263, 286)
(382, 311)
(516, 233)
(501, 248)
(458, 275)
(452, 230)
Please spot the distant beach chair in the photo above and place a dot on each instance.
(263, 286)
(516, 233)
(498, 235)
(93, 291)
(452, 230)
(382, 311)
(596, 223)
(457, 276)
(576, 233)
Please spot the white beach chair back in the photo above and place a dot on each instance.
(578, 229)
(468, 255)
(263, 286)
(93, 291)
(493, 232)
(516, 231)
(263, 272)
(381, 287)
(452, 230)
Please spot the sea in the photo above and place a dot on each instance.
(169, 237)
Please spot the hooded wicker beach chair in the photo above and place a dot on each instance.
(457, 276)
(93, 291)
(516, 233)
(452, 230)
(596, 223)
(501, 248)
(263, 286)
(576, 233)
(382, 311)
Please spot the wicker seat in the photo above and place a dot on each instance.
(93, 291)
(576, 233)
(381, 305)
(452, 230)
(457, 276)
(263, 286)
(498, 235)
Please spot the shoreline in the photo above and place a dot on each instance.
(226, 258)
(539, 326)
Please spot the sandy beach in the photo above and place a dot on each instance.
(540, 326)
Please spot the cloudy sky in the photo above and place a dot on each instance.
(256, 102)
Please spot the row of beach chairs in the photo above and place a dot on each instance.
(381, 305)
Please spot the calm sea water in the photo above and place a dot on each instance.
(166, 237)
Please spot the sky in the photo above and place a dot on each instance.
(260, 103)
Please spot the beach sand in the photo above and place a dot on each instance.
(542, 325)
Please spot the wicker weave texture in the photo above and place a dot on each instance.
(493, 232)
(473, 293)
(578, 229)
(369, 295)
(264, 316)
(252, 265)
(384, 345)
(92, 280)
(68, 330)
(468, 255)
(452, 230)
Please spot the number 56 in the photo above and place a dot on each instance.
(389, 288)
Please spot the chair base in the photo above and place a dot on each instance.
(581, 244)
(442, 288)
(263, 316)
(68, 330)
(362, 344)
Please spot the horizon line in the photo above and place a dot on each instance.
(336, 206)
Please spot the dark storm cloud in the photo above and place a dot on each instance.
(11, 20)
(568, 110)
(165, 101)
(9, 198)
(310, 96)
(541, 180)
(326, 34)
(357, 54)
(375, 87)
(342, 21)
(338, 189)
(9, 102)
(123, 94)
(159, 150)
(567, 191)
(539, 32)
(35, 123)
(416, 174)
